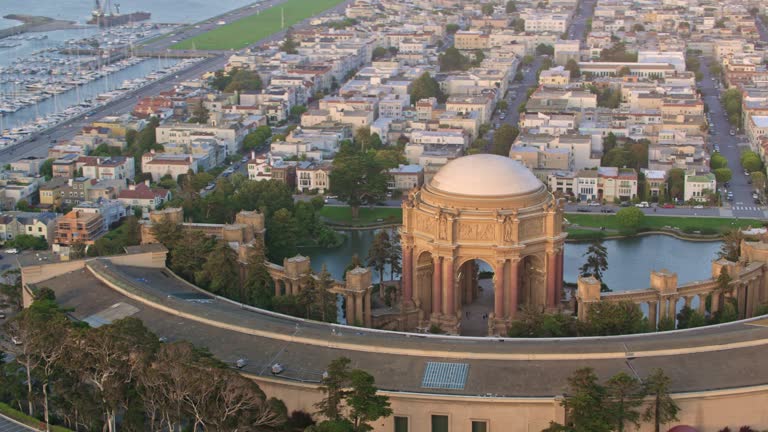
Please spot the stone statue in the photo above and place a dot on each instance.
(509, 229)
(443, 227)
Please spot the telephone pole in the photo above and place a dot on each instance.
(282, 18)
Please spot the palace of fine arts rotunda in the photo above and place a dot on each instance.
(480, 208)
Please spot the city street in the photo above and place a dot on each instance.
(743, 205)
(577, 30)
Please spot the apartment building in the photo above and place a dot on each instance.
(160, 164)
(79, 227)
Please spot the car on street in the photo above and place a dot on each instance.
(643, 204)
(668, 206)
(594, 204)
(698, 206)
(606, 210)
(11, 251)
(732, 132)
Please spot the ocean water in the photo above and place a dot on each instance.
(163, 11)
(173, 11)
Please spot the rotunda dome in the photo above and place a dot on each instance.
(485, 175)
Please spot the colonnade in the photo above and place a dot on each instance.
(748, 288)
(447, 288)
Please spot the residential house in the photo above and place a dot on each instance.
(697, 187)
(405, 177)
(143, 197)
(313, 176)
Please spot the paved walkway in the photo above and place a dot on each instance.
(475, 319)
(8, 425)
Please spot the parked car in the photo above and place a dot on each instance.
(643, 204)
(625, 204)
(698, 206)
(594, 204)
(11, 251)
(606, 210)
(668, 205)
(583, 210)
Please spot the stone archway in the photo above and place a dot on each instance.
(476, 296)
(423, 276)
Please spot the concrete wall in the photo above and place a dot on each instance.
(37, 273)
(147, 259)
(706, 411)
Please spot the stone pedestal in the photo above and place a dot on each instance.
(587, 293)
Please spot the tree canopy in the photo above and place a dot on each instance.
(425, 87)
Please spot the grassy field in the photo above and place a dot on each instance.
(27, 420)
(246, 31)
(368, 216)
(686, 224)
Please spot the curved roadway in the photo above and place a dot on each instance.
(713, 358)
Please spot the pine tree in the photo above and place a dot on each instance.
(625, 395)
(378, 255)
(663, 408)
(597, 261)
(326, 299)
(395, 255)
(335, 381)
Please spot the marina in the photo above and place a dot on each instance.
(55, 82)
(82, 98)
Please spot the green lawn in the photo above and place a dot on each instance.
(368, 216)
(687, 224)
(27, 420)
(584, 234)
(246, 31)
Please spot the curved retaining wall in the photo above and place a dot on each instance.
(708, 410)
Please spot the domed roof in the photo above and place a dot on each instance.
(485, 175)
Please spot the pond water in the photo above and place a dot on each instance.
(630, 261)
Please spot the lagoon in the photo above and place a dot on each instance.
(630, 260)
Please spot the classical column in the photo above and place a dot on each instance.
(715, 301)
(367, 310)
(752, 297)
(468, 281)
(688, 301)
(437, 289)
(359, 308)
(449, 285)
(407, 276)
(652, 313)
(350, 307)
(551, 295)
(669, 306)
(512, 279)
(741, 300)
(499, 285)
(560, 272)
(702, 304)
(278, 292)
